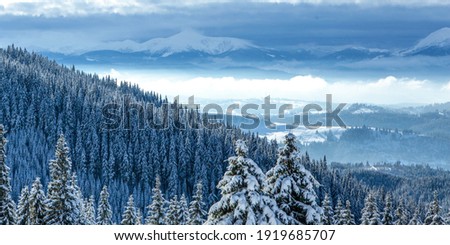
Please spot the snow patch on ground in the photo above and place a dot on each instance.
(364, 111)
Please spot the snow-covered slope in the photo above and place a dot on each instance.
(185, 41)
(436, 44)
(438, 38)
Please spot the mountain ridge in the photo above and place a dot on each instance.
(184, 41)
(436, 43)
(193, 41)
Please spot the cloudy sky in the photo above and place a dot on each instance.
(77, 25)
(125, 7)
(82, 23)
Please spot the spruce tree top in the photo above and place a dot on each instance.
(290, 137)
(196, 212)
(370, 214)
(289, 158)
(241, 148)
(155, 215)
(157, 183)
(104, 208)
(289, 148)
(61, 166)
(129, 215)
(63, 205)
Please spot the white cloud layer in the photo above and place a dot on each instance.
(446, 87)
(388, 90)
(124, 7)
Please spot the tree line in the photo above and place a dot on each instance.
(284, 195)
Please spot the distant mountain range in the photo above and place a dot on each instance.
(195, 47)
(183, 42)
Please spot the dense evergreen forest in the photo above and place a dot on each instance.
(61, 152)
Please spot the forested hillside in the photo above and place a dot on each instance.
(56, 142)
(41, 100)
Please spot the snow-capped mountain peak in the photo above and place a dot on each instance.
(184, 41)
(193, 41)
(438, 38)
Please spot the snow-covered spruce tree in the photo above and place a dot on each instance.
(80, 208)
(172, 216)
(183, 212)
(156, 212)
(328, 213)
(415, 220)
(138, 216)
(7, 205)
(104, 213)
(197, 213)
(401, 214)
(347, 218)
(433, 216)
(89, 210)
(82, 212)
(292, 185)
(37, 203)
(129, 215)
(63, 199)
(370, 214)
(243, 200)
(23, 207)
(338, 213)
(388, 218)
